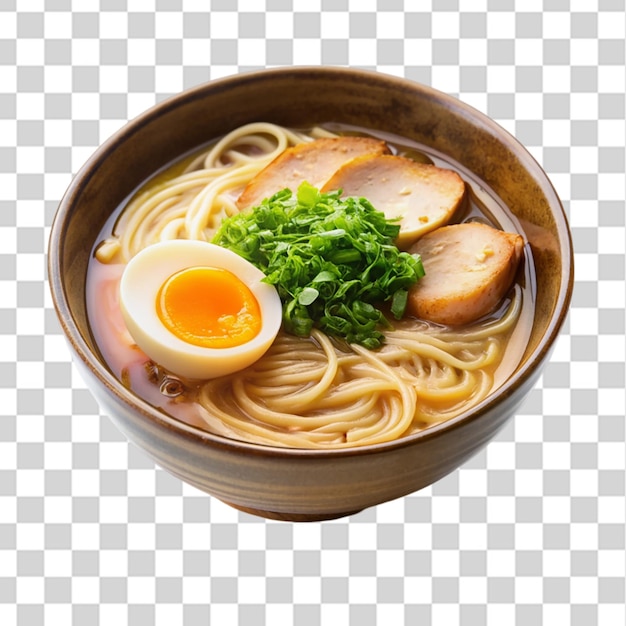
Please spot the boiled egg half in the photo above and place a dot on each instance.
(197, 309)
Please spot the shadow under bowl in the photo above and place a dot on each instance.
(295, 484)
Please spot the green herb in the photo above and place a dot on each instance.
(331, 260)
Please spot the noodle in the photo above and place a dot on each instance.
(315, 392)
(423, 378)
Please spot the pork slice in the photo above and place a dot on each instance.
(421, 196)
(313, 162)
(469, 269)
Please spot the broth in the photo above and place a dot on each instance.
(179, 398)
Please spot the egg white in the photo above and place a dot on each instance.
(140, 284)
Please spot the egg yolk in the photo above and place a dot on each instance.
(209, 307)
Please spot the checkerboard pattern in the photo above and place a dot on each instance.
(531, 531)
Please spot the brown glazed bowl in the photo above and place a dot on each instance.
(294, 484)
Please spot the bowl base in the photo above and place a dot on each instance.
(291, 517)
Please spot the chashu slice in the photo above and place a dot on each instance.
(314, 162)
(421, 195)
(469, 269)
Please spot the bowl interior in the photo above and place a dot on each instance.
(301, 97)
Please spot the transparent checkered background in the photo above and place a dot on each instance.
(530, 532)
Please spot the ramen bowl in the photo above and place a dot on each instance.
(308, 484)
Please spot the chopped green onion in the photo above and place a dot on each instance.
(331, 259)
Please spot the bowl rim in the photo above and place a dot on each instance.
(105, 377)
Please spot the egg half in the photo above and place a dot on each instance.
(197, 309)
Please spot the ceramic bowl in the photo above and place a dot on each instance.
(294, 484)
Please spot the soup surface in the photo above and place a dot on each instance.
(318, 391)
